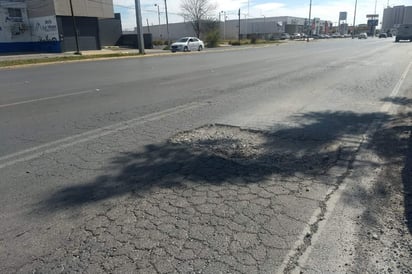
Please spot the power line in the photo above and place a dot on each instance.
(131, 7)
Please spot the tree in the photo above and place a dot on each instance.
(196, 11)
(210, 27)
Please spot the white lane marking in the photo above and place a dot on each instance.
(49, 98)
(35, 152)
(335, 197)
(386, 107)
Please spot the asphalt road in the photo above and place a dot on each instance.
(228, 160)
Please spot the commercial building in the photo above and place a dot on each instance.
(14, 22)
(395, 16)
(266, 27)
(48, 25)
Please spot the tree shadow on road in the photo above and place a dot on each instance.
(385, 225)
(403, 101)
(393, 142)
(407, 184)
(400, 148)
(218, 154)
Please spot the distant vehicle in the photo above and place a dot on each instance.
(363, 35)
(383, 35)
(187, 44)
(296, 36)
(404, 33)
(284, 36)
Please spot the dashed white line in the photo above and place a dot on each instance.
(49, 98)
(35, 152)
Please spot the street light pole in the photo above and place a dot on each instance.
(76, 35)
(139, 28)
(224, 24)
(264, 25)
(158, 17)
(167, 25)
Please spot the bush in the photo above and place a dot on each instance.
(212, 38)
(234, 43)
(253, 40)
(158, 43)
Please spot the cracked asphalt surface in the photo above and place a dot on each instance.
(244, 162)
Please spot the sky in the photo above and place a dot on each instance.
(325, 10)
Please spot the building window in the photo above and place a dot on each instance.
(15, 13)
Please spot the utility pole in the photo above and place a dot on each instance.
(309, 23)
(247, 19)
(167, 25)
(76, 35)
(148, 27)
(354, 19)
(139, 27)
(239, 26)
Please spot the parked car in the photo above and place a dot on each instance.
(284, 36)
(187, 44)
(363, 35)
(383, 35)
(404, 33)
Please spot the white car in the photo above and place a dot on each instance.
(187, 44)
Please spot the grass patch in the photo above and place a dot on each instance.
(259, 41)
(11, 63)
(254, 42)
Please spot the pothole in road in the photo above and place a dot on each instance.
(225, 141)
(245, 146)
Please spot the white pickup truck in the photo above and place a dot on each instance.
(404, 33)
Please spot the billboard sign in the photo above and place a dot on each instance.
(372, 15)
(372, 22)
(343, 16)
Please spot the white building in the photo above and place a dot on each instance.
(394, 16)
(14, 21)
(47, 25)
(266, 27)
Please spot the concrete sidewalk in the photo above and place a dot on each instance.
(26, 56)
